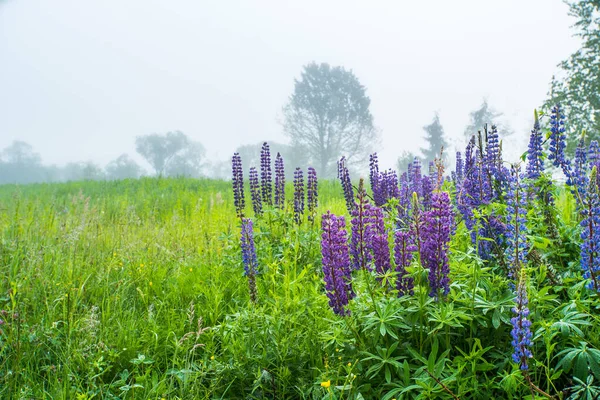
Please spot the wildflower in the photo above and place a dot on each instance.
(521, 332)
(535, 164)
(212, 357)
(557, 140)
(249, 256)
(344, 177)
(377, 240)
(361, 213)
(326, 384)
(590, 235)
(238, 185)
(458, 175)
(279, 182)
(374, 177)
(579, 176)
(298, 195)
(266, 186)
(516, 210)
(403, 253)
(336, 263)
(254, 192)
(311, 193)
(435, 238)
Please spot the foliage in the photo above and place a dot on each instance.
(171, 154)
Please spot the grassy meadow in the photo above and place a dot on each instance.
(136, 290)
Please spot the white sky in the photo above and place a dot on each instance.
(79, 79)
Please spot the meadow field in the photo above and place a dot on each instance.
(139, 289)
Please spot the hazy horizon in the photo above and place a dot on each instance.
(81, 80)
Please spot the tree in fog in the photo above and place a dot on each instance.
(328, 114)
(188, 161)
(436, 140)
(20, 164)
(123, 167)
(82, 171)
(485, 115)
(160, 150)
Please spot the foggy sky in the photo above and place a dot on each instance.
(80, 79)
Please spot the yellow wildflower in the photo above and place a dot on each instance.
(212, 357)
(326, 384)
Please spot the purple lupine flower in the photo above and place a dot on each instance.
(279, 182)
(590, 235)
(404, 202)
(435, 237)
(516, 231)
(336, 263)
(557, 138)
(298, 195)
(458, 177)
(374, 176)
(361, 218)
(344, 177)
(266, 180)
(579, 176)
(535, 164)
(593, 153)
(255, 192)
(416, 224)
(493, 157)
(311, 193)
(377, 240)
(521, 332)
(387, 187)
(249, 256)
(415, 178)
(426, 192)
(403, 253)
(238, 185)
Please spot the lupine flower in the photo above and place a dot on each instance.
(238, 185)
(516, 231)
(361, 218)
(249, 256)
(557, 138)
(435, 237)
(336, 263)
(521, 332)
(426, 192)
(458, 177)
(374, 175)
(590, 235)
(298, 195)
(279, 182)
(535, 164)
(403, 253)
(266, 180)
(386, 187)
(377, 239)
(344, 177)
(311, 193)
(415, 178)
(404, 202)
(255, 192)
(493, 157)
(579, 176)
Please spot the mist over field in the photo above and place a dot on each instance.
(81, 80)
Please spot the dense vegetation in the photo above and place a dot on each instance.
(140, 288)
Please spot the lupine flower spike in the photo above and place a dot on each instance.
(377, 239)
(255, 192)
(266, 180)
(403, 253)
(516, 232)
(336, 263)
(590, 235)
(238, 185)
(249, 257)
(361, 217)
(298, 195)
(311, 193)
(279, 182)
(521, 332)
(535, 164)
(344, 177)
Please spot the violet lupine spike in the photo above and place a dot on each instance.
(516, 230)
(404, 202)
(336, 263)
(415, 178)
(459, 169)
(558, 140)
(266, 178)
(311, 193)
(579, 176)
(298, 195)
(361, 218)
(238, 185)
(279, 182)
(255, 192)
(426, 192)
(344, 177)
(377, 239)
(535, 164)
(521, 332)
(435, 237)
(404, 248)
(492, 157)
(374, 175)
(590, 235)
(249, 256)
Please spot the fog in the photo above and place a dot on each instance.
(79, 80)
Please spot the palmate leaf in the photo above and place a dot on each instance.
(580, 360)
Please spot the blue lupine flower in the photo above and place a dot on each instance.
(249, 256)
(238, 185)
(298, 195)
(255, 192)
(516, 231)
(590, 235)
(535, 164)
(311, 193)
(279, 182)
(266, 183)
(344, 177)
(521, 332)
